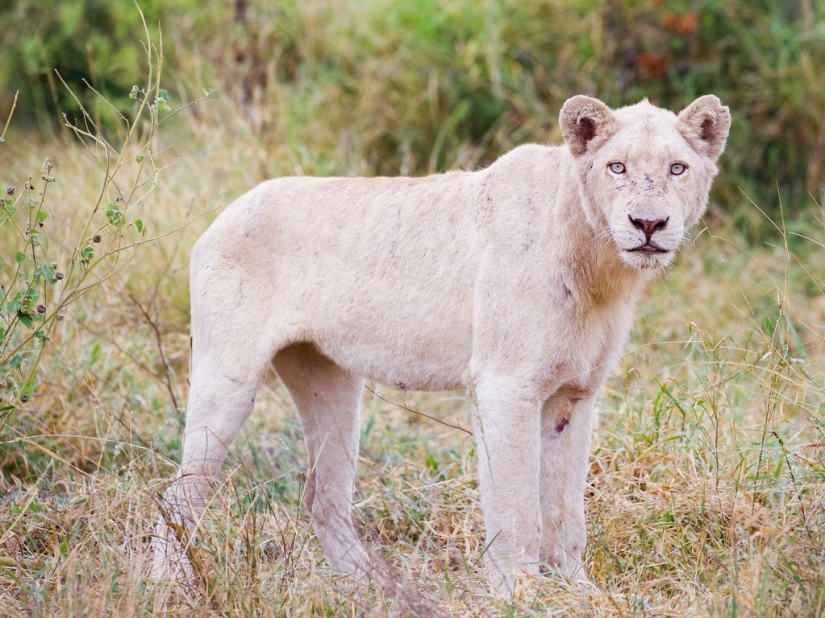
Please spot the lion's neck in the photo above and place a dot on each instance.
(590, 256)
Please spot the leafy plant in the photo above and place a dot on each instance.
(39, 279)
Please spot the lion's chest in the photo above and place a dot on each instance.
(584, 348)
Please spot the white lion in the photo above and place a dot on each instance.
(516, 282)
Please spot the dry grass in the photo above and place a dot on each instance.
(708, 468)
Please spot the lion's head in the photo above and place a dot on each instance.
(645, 172)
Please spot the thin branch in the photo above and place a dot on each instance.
(159, 340)
(405, 407)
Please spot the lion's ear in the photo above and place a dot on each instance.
(583, 118)
(705, 124)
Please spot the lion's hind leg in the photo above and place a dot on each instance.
(229, 355)
(328, 398)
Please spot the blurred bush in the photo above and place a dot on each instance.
(764, 58)
(96, 41)
(412, 86)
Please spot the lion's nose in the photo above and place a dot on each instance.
(648, 226)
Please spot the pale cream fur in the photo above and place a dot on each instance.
(516, 282)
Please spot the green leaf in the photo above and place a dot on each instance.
(25, 318)
(47, 270)
(86, 255)
(162, 101)
(114, 216)
(15, 361)
(41, 335)
(19, 257)
(139, 226)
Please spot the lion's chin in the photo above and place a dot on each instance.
(647, 260)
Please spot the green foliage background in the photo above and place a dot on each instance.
(415, 81)
(412, 82)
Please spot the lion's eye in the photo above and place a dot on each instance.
(677, 169)
(617, 168)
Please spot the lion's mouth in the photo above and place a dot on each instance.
(648, 247)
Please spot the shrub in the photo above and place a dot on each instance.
(89, 43)
(390, 86)
(47, 266)
(393, 86)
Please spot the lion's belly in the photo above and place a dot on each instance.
(415, 342)
(405, 369)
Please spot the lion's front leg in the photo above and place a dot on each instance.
(506, 424)
(566, 425)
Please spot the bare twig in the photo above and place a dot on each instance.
(406, 408)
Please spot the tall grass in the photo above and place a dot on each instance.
(708, 469)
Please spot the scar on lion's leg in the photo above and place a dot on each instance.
(565, 421)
